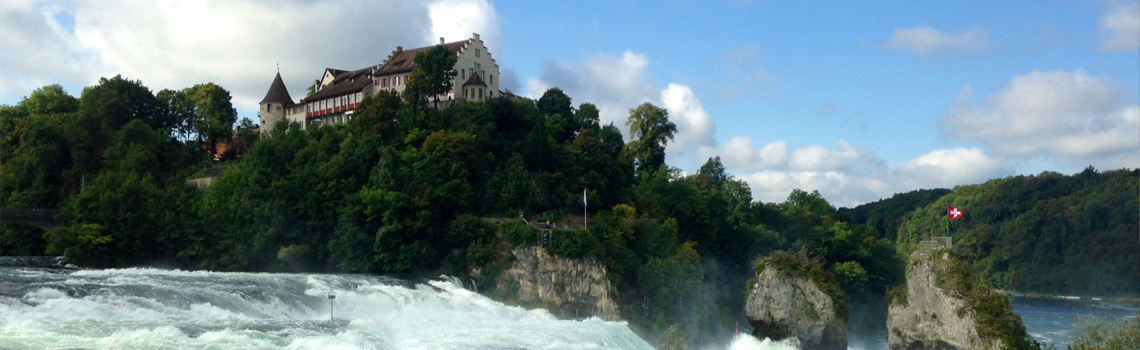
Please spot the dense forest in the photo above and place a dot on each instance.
(1046, 233)
(401, 187)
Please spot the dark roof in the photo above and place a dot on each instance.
(277, 92)
(474, 80)
(346, 82)
(405, 60)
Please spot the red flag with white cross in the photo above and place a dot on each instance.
(953, 213)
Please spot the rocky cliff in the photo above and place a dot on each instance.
(785, 304)
(924, 315)
(578, 287)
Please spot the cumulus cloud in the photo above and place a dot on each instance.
(1069, 116)
(235, 44)
(846, 175)
(1120, 28)
(694, 126)
(867, 178)
(613, 83)
(618, 83)
(455, 20)
(35, 49)
(926, 41)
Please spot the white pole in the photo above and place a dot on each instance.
(585, 211)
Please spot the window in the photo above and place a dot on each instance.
(269, 107)
(480, 92)
(491, 79)
(464, 74)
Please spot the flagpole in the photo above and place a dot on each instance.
(585, 211)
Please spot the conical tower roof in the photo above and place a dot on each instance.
(277, 92)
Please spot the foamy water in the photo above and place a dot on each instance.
(159, 309)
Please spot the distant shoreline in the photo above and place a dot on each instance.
(1116, 299)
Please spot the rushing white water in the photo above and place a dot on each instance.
(151, 308)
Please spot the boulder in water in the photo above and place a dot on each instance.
(794, 296)
(939, 308)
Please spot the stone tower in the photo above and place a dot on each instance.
(274, 104)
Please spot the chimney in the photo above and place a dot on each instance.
(399, 49)
(475, 36)
(441, 40)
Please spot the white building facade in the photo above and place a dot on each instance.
(339, 92)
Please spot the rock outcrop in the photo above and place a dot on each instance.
(579, 287)
(925, 316)
(783, 305)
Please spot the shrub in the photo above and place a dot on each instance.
(518, 233)
(1096, 333)
(898, 295)
(574, 244)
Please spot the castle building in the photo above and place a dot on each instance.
(339, 92)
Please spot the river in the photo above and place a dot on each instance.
(145, 308)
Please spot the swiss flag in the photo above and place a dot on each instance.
(954, 213)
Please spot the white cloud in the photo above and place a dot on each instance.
(926, 41)
(456, 20)
(1069, 116)
(618, 83)
(819, 158)
(35, 50)
(1120, 28)
(613, 83)
(866, 178)
(845, 175)
(236, 44)
(694, 126)
(740, 152)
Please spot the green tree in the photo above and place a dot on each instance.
(714, 172)
(437, 66)
(650, 130)
(587, 116)
(50, 99)
(214, 114)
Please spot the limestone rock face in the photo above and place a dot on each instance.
(929, 318)
(785, 306)
(579, 287)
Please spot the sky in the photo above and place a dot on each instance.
(856, 99)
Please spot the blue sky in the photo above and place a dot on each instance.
(858, 100)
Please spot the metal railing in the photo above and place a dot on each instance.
(935, 243)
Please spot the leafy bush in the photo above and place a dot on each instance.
(574, 244)
(898, 295)
(518, 233)
(851, 275)
(1095, 333)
